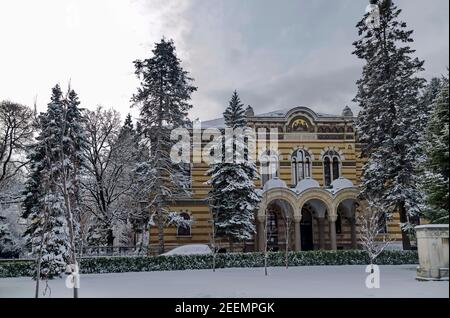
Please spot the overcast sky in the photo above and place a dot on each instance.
(277, 54)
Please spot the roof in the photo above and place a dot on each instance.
(220, 122)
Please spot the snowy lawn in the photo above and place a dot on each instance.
(296, 282)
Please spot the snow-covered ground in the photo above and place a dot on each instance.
(296, 282)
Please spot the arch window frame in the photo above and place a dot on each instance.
(332, 167)
(301, 166)
(270, 161)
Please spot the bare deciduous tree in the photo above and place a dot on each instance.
(370, 219)
(108, 165)
(287, 223)
(16, 134)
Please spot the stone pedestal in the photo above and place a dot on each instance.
(432, 245)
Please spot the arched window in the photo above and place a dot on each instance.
(335, 168)
(269, 166)
(331, 167)
(301, 166)
(184, 230)
(327, 171)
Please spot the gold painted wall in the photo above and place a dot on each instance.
(336, 133)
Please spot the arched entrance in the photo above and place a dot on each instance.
(306, 228)
(347, 217)
(279, 225)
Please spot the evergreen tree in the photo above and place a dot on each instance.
(436, 177)
(47, 233)
(163, 99)
(234, 115)
(233, 197)
(8, 248)
(389, 122)
(74, 146)
(51, 190)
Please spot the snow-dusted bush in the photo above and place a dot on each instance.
(194, 262)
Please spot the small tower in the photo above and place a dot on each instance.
(249, 111)
(347, 112)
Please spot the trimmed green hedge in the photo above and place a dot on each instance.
(102, 265)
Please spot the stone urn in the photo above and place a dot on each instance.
(432, 246)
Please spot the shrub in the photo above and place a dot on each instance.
(101, 265)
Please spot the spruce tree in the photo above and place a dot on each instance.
(233, 197)
(163, 100)
(8, 248)
(52, 189)
(436, 177)
(389, 122)
(44, 205)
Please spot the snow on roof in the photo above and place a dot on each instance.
(215, 123)
(306, 184)
(274, 183)
(220, 122)
(341, 183)
(275, 114)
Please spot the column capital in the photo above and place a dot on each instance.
(297, 218)
(332, 218)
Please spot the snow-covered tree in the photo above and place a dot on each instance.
(435, 182)
(232, 196)
(16, 134)
(389, 122)
(8, 247)
(163, 100)
(370, 219)
(44, 203)
(107, 182)
(51, 189)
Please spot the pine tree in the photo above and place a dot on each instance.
(232, 196)
(74, 146)
(163, 99)
(389, 122)
(234, 115)
(52, 188)
(47, 233)
(8, 248)
(436, 176)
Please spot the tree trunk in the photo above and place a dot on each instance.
(404, 219)
(110, 241)
(287, 244)
(160, 232)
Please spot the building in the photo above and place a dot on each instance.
(311, 190)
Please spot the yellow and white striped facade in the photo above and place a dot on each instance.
(313, 190)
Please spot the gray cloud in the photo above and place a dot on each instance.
(277, 54)
(281, 54)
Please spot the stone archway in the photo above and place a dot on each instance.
(346, 202)
(322, 201)
(296, 201)
(284, 194)
(277, 195)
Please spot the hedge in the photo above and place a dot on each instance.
(101, 265)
